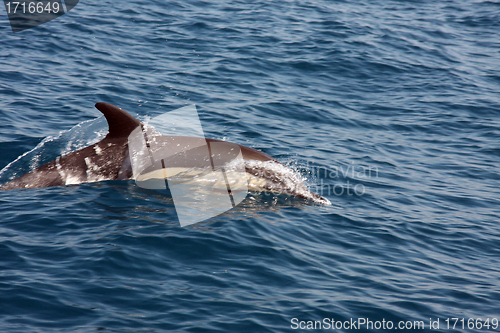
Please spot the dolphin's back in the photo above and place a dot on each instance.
(105, 160)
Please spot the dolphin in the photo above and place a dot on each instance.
(109, 159)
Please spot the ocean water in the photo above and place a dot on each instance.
(390, 109)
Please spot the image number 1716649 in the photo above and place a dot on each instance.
(29, 14)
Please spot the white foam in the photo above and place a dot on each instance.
(281, 178)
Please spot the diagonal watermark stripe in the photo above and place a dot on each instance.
(205, 177)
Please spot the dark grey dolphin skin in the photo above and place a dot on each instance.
(108, 155)
(108, 159)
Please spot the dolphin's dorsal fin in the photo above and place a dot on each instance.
(120, 123)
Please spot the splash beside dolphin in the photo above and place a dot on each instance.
(109, 159)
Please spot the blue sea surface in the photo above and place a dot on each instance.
(390, 109)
